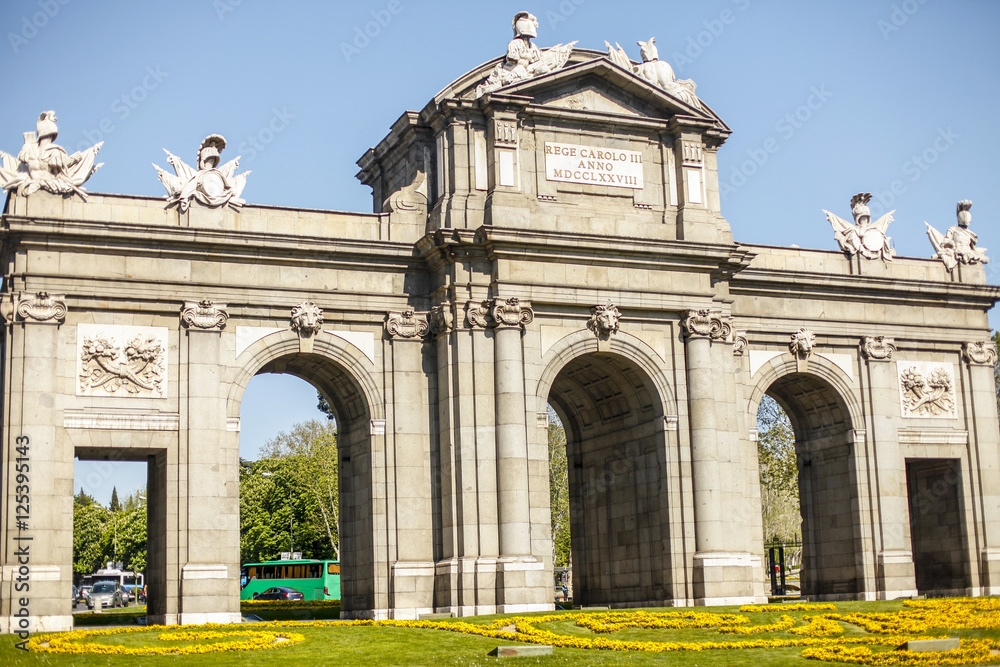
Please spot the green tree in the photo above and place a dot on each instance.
(309, 461)
(90, 524)
(115, 505)
(82, 498)
(559, 492)
(779, 478)
(324, 407)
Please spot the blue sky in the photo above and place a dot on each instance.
(894, 97)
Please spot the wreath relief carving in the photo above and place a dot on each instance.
(122, 361)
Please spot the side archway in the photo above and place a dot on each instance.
(826, 415)
(615, 404)
(344, 376)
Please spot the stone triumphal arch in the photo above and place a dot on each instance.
(546, 231)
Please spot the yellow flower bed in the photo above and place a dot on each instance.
(821, 636)
(251, 640)
(799, 606)
(783, 623)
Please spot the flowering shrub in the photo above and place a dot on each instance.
(70, 642)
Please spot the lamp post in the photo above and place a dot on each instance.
(291, 516)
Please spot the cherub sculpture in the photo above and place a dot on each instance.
(655, 71)
(958, 245)
(524, 60)
(863, 238)
(209, 184)
(44, 165)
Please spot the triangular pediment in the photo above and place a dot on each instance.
(600, 86)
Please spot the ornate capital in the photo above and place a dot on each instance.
(307, 319)
(740, 343)
(205, 315)
(706, 324)
(42, 308)
(477, 314)
(441, 319)
(511, 312)
(604, 320)
(802, 344)
(878, 348)
(406, 324)
(980, 352)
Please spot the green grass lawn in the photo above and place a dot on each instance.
(381, 646)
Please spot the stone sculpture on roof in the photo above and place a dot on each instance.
(655, 71)
(524, 60)
(864, 237)
(209, 184)
(958, 245)
(43, 164)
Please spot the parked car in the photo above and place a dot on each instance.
(74, 596)
(279, 593)
(106, 594)
(83, 593)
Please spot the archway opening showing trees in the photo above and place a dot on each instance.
(806, 446)
(615, 493)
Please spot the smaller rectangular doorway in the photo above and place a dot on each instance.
(937, 526)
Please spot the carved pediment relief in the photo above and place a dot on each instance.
(593, 98)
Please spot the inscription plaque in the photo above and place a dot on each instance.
(573, 163)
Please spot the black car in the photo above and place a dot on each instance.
(279, 593)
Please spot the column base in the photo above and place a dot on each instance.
(990, 571)
(523, 584)
(725, 578)
(412, 590)
(895, 576)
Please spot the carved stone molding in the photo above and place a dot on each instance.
(983, 352)
(441, 319)
(802, 344)
(927, 389)
(878, 348)
(42, 308)
(205, 315)
(122, 361)
(511, 312)
(477, 313)
(407, 324)
(505, 132)
(604, 320)
(706, 324)
(740, 343)
(307, 319)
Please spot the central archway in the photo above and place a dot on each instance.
(339, 371)
(613, 415)
(832, 540)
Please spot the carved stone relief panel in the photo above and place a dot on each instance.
(926, 389)
(121, 361)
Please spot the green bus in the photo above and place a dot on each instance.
(315, 579)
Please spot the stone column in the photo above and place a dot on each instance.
(209, 559)
(412, 589)
(37, 475)
(509, 315)
(894, 569)
(723, 568)
(984, 459)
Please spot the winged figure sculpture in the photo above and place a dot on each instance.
(655, 71)
(863, 237)
(209, 184)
